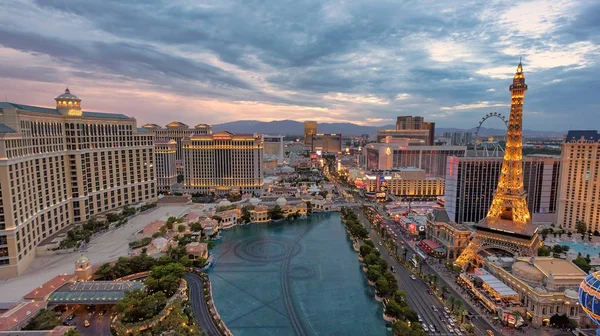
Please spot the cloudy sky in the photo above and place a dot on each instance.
(328, 60)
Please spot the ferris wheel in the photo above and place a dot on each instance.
(489, 147)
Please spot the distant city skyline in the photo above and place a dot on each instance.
(329, 61)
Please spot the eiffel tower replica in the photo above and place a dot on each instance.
(507, 225)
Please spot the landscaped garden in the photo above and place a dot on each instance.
(159, 307)
(82, 233)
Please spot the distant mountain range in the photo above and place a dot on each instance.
(291, 127)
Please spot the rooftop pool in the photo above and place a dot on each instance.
(297, 277)
(581, 247)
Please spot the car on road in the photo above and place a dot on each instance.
(431, 327)
(412, 276)
(429, 292)
(435, 309)
(420, 318)
(458, 332)
(425, 327)
(489, 332)
(450, 329)
(86, 323)
(380, 244)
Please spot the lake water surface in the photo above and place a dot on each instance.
(297, 277)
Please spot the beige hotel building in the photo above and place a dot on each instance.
(223, 163)
(60, 166)
(579, 192)
(177, 130)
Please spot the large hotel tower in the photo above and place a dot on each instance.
(579, 197)
(222, 163)
(508, 225)
(60, 166)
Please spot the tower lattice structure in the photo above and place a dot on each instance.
(507, 225)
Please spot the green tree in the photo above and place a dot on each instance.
(544, 251)
(365, 250)
(72, 332)
(580, 227)
(196, 227)
(382, 286)
(44, 320)
(104, 272)
(373, 272)
(181, 227)
(275, 213)
(583, 263)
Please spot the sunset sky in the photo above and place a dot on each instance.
(332, 61)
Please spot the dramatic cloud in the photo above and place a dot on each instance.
(327, 60)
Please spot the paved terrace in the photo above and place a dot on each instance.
(106, 247)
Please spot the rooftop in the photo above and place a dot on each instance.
(6, 129)
(555, 267)
(50, 286)
(587, 135)
(10, 319)
(54, 111)
(94, 291)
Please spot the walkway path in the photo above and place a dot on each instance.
(201, 313)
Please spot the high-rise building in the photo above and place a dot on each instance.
(402, 154)
(459, 138)
(166, 168)
(507, 225)
(310, 129)
(412, 128)
(177, 130)
(579, 195)
(472, 181)
(62, 166)
(223, 163)
(327, 143)
(273, 147)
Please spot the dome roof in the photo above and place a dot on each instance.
(67, 95)
(254, 201)
(527, 272)
(224, 203)
(82, 260)
(281, 201)
(571, 293)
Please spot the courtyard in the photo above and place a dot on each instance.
(101, 249)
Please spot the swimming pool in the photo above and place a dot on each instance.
(581, 247)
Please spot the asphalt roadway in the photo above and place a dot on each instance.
(198, 303)
(416, 291)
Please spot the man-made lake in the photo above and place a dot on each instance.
(297, 277)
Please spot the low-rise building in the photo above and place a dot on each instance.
(406, 183)
(260, 214)
(196, 250)
(299, 208)
(546, 286)
(451, 236)
(229, 217)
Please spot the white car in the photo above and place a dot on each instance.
(425, 328)
(450, 329)
(412, 276)
(420, 318)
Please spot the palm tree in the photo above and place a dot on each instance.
(434, 280)
(444, 290)
(458, 305)
(451, 302)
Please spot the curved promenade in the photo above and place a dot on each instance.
(198, 303)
